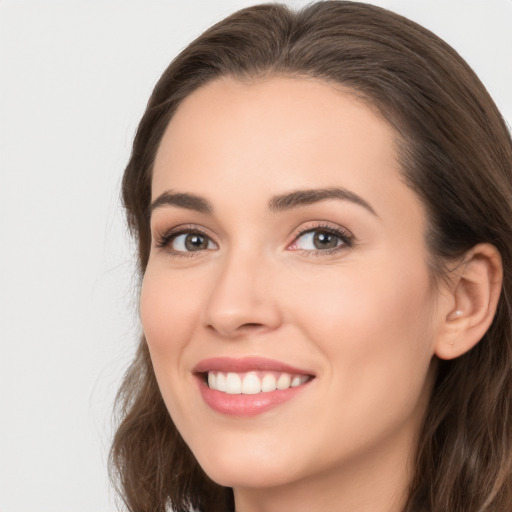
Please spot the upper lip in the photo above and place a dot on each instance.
(246, 364)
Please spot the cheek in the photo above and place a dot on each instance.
(375, 328)
(375, 333)
(365, 306)
(168, 316)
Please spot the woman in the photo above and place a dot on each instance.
(322, 202)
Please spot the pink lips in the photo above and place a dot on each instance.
(246, 405)
(246, 364)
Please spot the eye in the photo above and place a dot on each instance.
(185, 240)
(191, 242)
(321, 239)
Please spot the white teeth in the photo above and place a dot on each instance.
(251, 383)
(284, 381)
(268, 383)
(233, 384)
(220, 382)
(296, 381)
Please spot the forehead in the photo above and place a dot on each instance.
(267, 121)
(231, 138)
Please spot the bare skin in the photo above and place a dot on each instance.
(337, 285)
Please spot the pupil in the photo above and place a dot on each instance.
(194, 242)
(325, 240)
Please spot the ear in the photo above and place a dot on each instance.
(475, 290)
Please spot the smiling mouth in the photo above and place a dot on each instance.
(253, 382)
(249, 386)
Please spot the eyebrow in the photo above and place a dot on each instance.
(304, 197)
(277, 203)
(182, 200)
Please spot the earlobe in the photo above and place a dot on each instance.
(476, 290)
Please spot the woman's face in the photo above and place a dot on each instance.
(287, 252)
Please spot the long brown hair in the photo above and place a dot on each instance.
(456, 154)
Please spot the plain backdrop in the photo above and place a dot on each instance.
(74, 79)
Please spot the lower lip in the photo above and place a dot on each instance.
(247, 405)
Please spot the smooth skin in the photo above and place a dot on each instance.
(361, 312)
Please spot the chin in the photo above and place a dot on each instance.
(248, 468)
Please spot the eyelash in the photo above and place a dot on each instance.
(164, 241)
(347, 239)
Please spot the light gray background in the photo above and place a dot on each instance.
(74, 79)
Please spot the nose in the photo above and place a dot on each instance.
(242, 300)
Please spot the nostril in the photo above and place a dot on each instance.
(235, 331)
